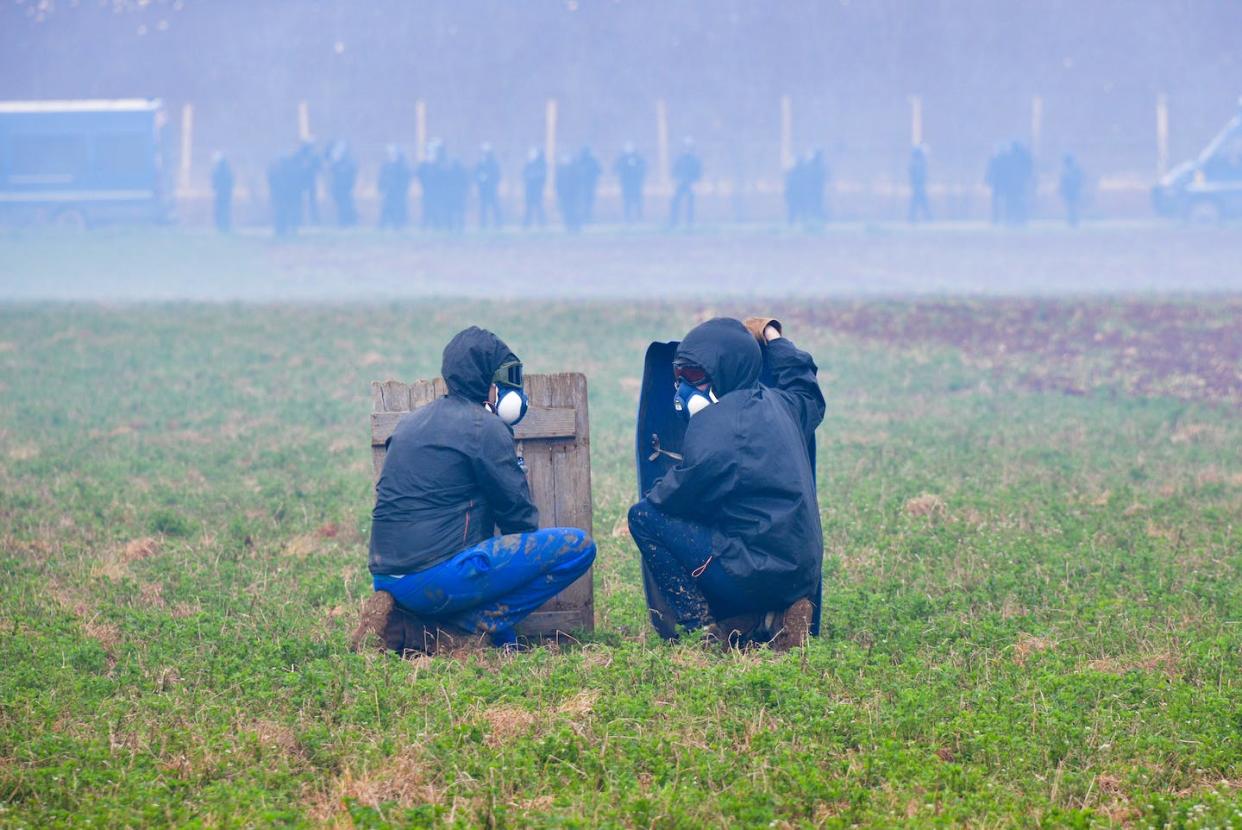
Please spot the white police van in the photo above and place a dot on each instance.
(1207, 188)
(79, 163)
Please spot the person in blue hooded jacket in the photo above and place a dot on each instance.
(731, 534)
(451, 475)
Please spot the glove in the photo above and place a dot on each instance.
(757, 325)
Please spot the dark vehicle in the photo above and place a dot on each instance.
(1209, 187)
(78, 163)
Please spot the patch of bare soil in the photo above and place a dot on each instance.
(1191, 351)
(115, 562)
(1027, 645)
(1163, 663)
(402, 780)
(506, 723)
(928, 505)
(580, 705)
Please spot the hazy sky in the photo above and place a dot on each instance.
(485, 68)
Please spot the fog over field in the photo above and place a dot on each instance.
(485, 69)
(991, 256)
(713, 264)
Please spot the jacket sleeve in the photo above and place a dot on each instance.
(706, 474)
(793, 372)
(503, 482)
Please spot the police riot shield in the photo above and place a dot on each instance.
(658, 441)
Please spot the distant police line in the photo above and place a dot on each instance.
(446, 185)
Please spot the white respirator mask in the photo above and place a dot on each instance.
(688, 398)
(511, 405)
(690, 401)
(511, 401)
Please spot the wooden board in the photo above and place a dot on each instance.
(554, 440)
(540, 422)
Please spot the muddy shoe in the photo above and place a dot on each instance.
(795, 626)
(412, 636)
(442, 638)
(737, 631)
(405, 632)
(376, 611)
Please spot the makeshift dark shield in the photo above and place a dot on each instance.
(658, 441)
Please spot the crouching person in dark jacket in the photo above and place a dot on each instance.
(450, 476)
(731, 535)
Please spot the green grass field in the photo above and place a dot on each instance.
(1033, 581)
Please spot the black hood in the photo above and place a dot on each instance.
(724, 349)
(471, 358)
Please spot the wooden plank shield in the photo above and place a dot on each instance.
(554, 441)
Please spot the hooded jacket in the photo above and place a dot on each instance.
(451, 473)
(746, 471)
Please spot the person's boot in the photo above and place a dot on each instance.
(795, 626)
(376, 614)
(414, 636)
(736, 631)
(450, 638)
(434, 637)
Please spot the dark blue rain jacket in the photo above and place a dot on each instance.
(451, 474)
(746, 471)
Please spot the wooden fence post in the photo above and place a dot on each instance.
(304, 130)
(187, 147)
(666, 182)
(787, 152)
(1162, 134)
(916, 120)
(420, 129)
(549, 142)
(1037, 125)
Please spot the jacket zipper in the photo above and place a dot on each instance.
(465, 533)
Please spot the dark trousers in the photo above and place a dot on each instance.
(284, 212)
(919, 206)
(571, 213)
(632, 205)
(394, 212)
(489, 208)
(684, 195)
(691, 584)
(346, 215)
(1071, 212)
(224, 211)
(1016, 207)
(534, 208)
(308, 201)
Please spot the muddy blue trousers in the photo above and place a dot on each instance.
(678, 555)
(491, 587)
